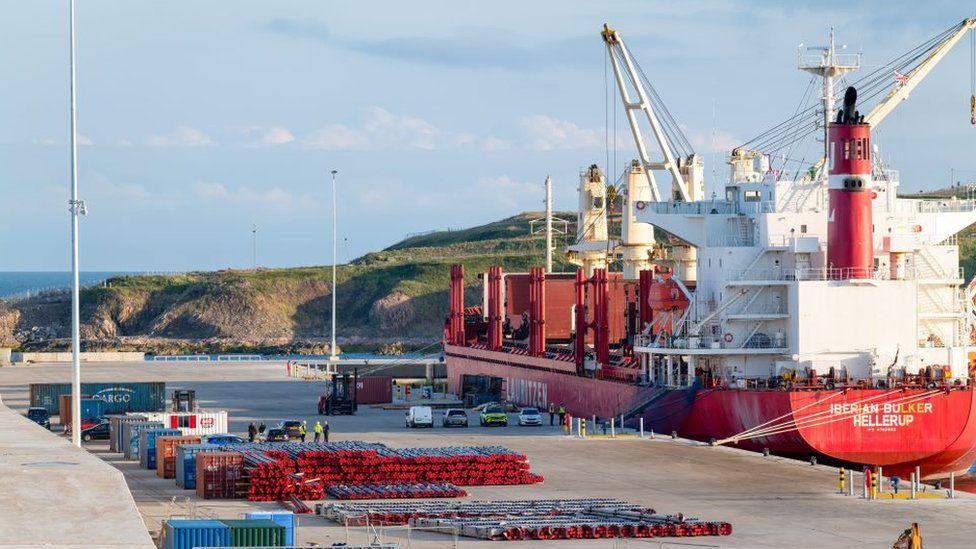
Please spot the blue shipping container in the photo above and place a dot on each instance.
(187, 534)
(119, 398)
(92, 407)
(284, 518)
(147, 445)
(131, 450)
(186, 463)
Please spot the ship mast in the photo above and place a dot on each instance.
(825, 62)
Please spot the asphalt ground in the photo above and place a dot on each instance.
(770, 501)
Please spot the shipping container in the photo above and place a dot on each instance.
(115, 424)
(283, 518)
(147, 445)
(166, 454)
(190, 533)
(120, 398)
(210, 422)
(220, 475)
(374, 390)
(131, 436)
(90, 408)
(186, 463)
(255, 533)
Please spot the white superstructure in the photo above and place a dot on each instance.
(765, 303)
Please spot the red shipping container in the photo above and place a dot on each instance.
(166, 454)
(220, 475)
(374, 390)
(64, 408)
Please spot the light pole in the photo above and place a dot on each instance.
(77, 208)
(333, 356)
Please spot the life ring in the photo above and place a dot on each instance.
(727, 337)
(641, 204)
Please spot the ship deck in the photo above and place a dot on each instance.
(761, 497)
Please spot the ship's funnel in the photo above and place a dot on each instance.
(850, 99)
(850, 230)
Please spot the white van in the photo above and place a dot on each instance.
(420, 416)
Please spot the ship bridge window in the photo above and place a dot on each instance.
(753, 196)
(803, 229)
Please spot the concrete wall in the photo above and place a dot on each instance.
(5, 353)
(100, 356)
(54, 494)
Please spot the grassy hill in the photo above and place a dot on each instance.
(396, 294)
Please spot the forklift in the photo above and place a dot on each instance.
(340, 395)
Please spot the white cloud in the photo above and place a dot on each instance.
(545, 133)
(84, 140)
(495, 144)
(381, 129)
(260, 137)
(274, 197)
(181, 137)
(211, 190)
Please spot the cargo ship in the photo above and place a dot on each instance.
(813, 313)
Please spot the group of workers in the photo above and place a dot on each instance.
(553, 411)
(320, 431)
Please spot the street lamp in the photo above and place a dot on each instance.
(333, 356)
(77, 208)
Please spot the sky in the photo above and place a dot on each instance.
(199, 120)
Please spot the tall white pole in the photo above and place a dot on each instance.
(548, 224)
(335, 258)
(75, 206)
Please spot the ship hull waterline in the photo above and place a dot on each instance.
(934, 430)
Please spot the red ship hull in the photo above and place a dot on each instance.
(896, 429)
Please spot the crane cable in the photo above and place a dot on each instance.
(821, 418)
(819, 422)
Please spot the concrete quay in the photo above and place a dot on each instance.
(771, 502)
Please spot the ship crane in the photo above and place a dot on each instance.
(686, 170)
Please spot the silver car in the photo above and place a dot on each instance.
(455, 417)
(530, 416)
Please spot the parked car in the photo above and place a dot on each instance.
(98, 431)
(291, 427)
(276, 434)
(222, 439)
(455, 417)
(529, 416)
(420, 416)
(39, 416)
(494, 415)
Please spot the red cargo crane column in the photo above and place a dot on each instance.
(495, 308)
(537, 311)
(579, 346)
(455, 334)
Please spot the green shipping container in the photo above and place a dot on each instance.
(255, 533)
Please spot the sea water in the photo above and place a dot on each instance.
(22, 283)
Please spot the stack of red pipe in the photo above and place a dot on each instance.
(276, 475)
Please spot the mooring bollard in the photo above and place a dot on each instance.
(913, 486)
(641, 423)
(840, 479)
(952, 485)
(613, 427)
